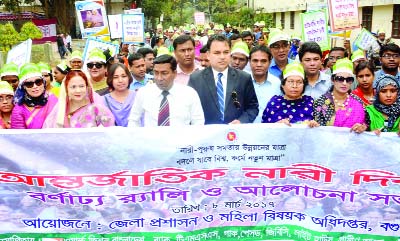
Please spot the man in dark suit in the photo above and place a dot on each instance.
(227, 95)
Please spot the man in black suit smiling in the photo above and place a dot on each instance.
(227, 95)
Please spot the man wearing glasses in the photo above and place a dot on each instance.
(335, 54)
(279, 44)
(96, 65)
(9, 73)
(389, 55)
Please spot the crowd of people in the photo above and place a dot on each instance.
(214, 76)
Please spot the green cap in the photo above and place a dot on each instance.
(159, 26)
(147, 35)
(44, 67)
(357, 55)
(6, 88)
(170, 29)
(76, 54)
(240, 47)
(27, 71)
(293, 69)
(262, 23)
(163, 50)
(96, 55)
(343, 66)
(63, 66)
(296, 37)
(9, 69)
(277, 35)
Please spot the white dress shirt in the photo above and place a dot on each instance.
(184, 106)
(224, 79)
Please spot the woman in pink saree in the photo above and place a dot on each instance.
(32, 102)
(77, 106)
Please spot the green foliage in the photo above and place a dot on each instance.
(8, 36)
(30, 31)
(266, 17)
(243, 18)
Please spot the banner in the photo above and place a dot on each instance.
(92, 17)
(221, 182)
(315, 27)
(199, 18)
(48, 28)
(133, 28)
(343, 14)
(92, 43)
(365, 40)
(115, 25)
(21, 53)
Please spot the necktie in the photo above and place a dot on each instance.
(220, 94)
(163, 114)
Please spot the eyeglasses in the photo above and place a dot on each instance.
(390, 56)
(46, 75)
(279, 46)
(7, 98)
(335, 57)
(342, 79)
(30, 84)
(236, 102)
(294, 83)
(91, 65)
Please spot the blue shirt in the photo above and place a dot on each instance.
(321, 86)
(275, 70)
(264, 92)
(380, 72)
(139, 84)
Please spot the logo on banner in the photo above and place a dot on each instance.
(231, 136)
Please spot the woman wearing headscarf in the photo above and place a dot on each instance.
(32, 102)
(120, 99)
(338, 107)
(6, 104)
(77, 107)
(384, 113)
(292, 106)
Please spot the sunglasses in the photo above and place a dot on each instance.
(91, 65)
(37, 82)
(236, 102)
(342, 79)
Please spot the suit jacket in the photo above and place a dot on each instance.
(240, 82)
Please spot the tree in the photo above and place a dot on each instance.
(63, 10)
(8, 36)
(30, 31)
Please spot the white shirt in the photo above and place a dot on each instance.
(184, 106)
(68, 39)
(265, 91)
(224, 79)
